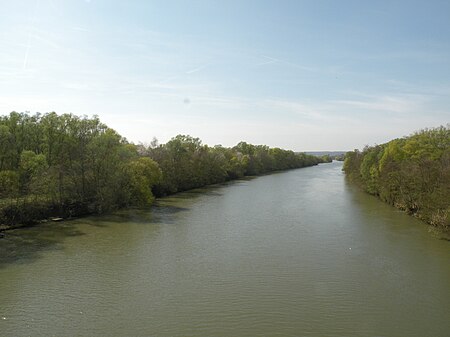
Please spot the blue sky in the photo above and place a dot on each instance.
(301, 75)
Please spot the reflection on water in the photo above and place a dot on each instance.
(294, 253)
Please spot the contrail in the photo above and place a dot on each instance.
(270, 60)
(197, 69)
(27, 52)
(33, 21)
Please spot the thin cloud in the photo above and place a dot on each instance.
(396, 104)
(188, 72)
(46, 41)
(273, 60)
(80, 29)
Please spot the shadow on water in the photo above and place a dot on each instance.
(395, 220)
(158, 214)
(25, 245)
(211, 190)
(200, 192)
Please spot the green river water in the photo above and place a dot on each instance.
(297, 253)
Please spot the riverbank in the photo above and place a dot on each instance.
(23, 213)
(27, 213)
(411, 174)
(71, 166)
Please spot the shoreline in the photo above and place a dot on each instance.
(83, 212)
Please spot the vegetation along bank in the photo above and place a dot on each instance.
(411, 173)
(59, 166)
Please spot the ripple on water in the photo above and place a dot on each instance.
(289, 254)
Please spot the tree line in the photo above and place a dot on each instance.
(411, 173)
(67, 165)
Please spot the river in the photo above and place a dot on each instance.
(296, 253)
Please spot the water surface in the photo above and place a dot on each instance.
(298, 253)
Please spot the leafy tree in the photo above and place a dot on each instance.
(68, 165)
(141, 175)
(9, 184)
(412, 173)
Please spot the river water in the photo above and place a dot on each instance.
(298, 253)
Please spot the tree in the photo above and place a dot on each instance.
(9, 184)
(141, 175)
(412, 173)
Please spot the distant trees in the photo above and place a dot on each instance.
(186, 163)
(412, 173)
(69, 165)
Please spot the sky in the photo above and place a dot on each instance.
(300, 75)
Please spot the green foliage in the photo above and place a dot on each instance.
(412, 173)
(67, 165)
(9, 184)
(186, 163)
(327, 158)
(63, 165)
(141, 175)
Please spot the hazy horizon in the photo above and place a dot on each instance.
(300, 75)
